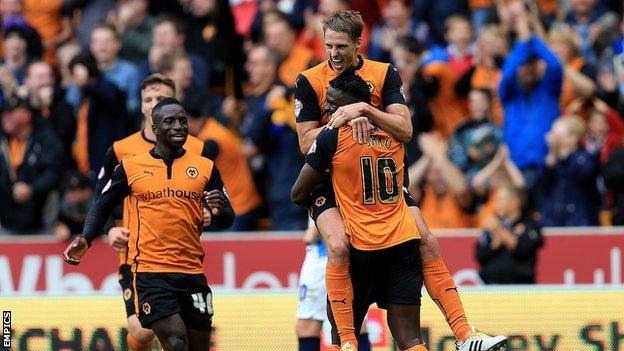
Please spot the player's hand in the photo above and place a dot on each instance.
(75, 251)
(346, 113)
(361, 129)
(207, 217)
(215, 201)
(118, 238)
(22, 192)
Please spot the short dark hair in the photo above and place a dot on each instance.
(106, 26)
(350, 22)
(178, 25)
(353, 85)
(87, 60)
(167, 61)
(157, 78)
(411, 44)
(157, 110)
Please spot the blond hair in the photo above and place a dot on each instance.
(575, 125)
(349, 22)
(565, 34)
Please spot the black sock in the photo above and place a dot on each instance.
(310, 344)
(363, 342)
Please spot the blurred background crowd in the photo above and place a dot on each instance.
(516, 105)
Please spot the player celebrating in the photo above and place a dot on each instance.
(172, 296)
(153, 89)
(385, 259)
(388, 111)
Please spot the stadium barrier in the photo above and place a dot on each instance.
(535, 319)
(270, 262)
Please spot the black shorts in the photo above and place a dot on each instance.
(388, 276)
(125, 281)
(323, 198)
(165, 294)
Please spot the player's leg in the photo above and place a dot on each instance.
(199, 340)
(309, 334)
(337, 279)
(196, 310)
(363, 341)
(171, 333)
(443, 291)
(404, 324)
(311, 309)
(138, 338)
(398, 291)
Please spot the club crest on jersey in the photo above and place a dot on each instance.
(298, 107)
(371, 86)
(147, 309)
(192, 172)
(320, 201)
(127, 294)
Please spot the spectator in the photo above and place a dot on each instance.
(75, 202)
(476, 140)
(459, 49)
(47, 99)
(397, 22)
(434, 13)
(179, 68)
(529, 90)
(64, 55)
(100, 119)
(279, 36)
(92, 12)
(436, 80)
(212, 35)
(507, 249)
(105, 46)
(15, 54)
(440, 186)
(271, 140)
(613, 173)
(31, 156)
(13, 20)
(168, 37)
(578, 75)
(228, 156)
(591, 21)
(134, 26)
(485, 73)
(568, 182)
(312, 35)
(52, 24)
(498, 173)
(482, 12)
(405, 55)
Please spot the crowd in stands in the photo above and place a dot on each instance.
(516, 105)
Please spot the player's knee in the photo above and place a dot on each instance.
(338, 249)
(429, 246)
(176, 342)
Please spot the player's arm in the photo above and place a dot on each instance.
(106, 172)
(318, 161)
(395, 119)
(115, 190)
(218, 202)
(307, 112)
(211, 149)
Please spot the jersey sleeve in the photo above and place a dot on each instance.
(306, 101)
(225, 219)
(106, 172)
(392, 92)
(211, 149)
(322, 150)
(111, 195)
